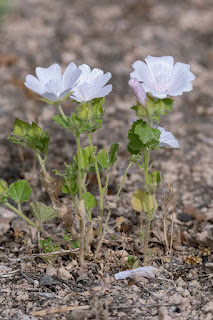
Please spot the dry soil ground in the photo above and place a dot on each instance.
(111, 35)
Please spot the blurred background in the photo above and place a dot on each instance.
(111, 35)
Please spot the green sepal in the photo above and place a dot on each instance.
(89, 200)
(141, 111)
(159, 107)
(19, 191)
(42, 212)
(84, 111)
(49, 101)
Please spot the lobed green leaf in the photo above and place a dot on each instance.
(20, 191)
(42, 212)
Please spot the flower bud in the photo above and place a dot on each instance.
(138, 91)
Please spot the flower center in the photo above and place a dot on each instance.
(162, 82)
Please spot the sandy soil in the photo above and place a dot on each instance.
(111, 35)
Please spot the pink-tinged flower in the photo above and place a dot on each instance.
(161, 77)
(91, 84)
(167, 139)
(51, 84)
(138, 90)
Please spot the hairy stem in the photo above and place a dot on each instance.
(109, 212)
(20, 213)
(80, 192)
(146, 242)
(148, 220)
(101, 191)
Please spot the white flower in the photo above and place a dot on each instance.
(161, 77)
(51, 84)
(91, 84)
(167, 139)
(138, 91)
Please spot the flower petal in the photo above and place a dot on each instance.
(47, 74)
(180, 81)
(167, 139)
(34, 84)
(103, 92)
(85, 73)
(50, 96)
(151, 61)
(99, 81)
(70, 76)
(142, 73)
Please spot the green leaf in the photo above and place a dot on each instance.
(42, 212)
(58, 119)
(20, 191)
(89, 200)
(20, 128)
(31, 136)
(146, 133)
(135, 145)
(69, 185)
(86, 157)
(17, 141)
(103, 159)
(142, 201)
(37, 138)
(155, 177)
(3, 187)
(3, 191)
(113, 153)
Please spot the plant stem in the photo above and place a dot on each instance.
(109, 213)
(62, 113)
(79, 167)
(41, 162)
(101, 191)
(146, 165)
(148, 220)
(20, 213)
(80, 192)
(146, 242)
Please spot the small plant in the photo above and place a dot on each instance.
(87, 88)
(49, 246)
(132, 262)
